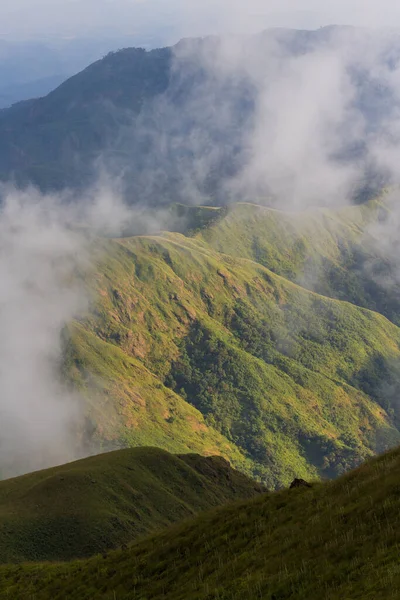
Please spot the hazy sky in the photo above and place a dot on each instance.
(178, 18)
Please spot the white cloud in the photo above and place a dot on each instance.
(41, 254)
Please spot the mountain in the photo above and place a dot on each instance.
(333, 540)
(341, 254)
(79, 119)
(181, 123)
(32, 68)
(107, 501)
(214, 341)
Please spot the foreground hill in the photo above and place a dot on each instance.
(336, 540)
(106, 501)
(193, 345)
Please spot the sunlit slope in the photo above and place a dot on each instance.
(128, 405)
(336, 540)
(106, 501)
(299, 384)
(342, 254)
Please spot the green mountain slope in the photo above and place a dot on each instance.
(106, 501)
(336, 540)
(190, 348)
(335, 253)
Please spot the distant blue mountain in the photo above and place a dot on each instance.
(162, 123)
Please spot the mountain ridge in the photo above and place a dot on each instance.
(112, 115)
(335, 539)
(106, 501)
(286, 382)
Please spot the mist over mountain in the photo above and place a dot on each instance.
(288, 116)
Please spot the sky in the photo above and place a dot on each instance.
(173, 19)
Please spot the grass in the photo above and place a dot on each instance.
(103, 502)
(335, 253)
(335, 540)
(192, 348)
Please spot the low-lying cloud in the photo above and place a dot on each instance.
(45, 255)
(43, 250)
(38, 296)
(287, 118)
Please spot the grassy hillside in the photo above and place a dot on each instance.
(335, 253)
(103, 502)
(336, 540)
(128, 405)
(191, 348)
